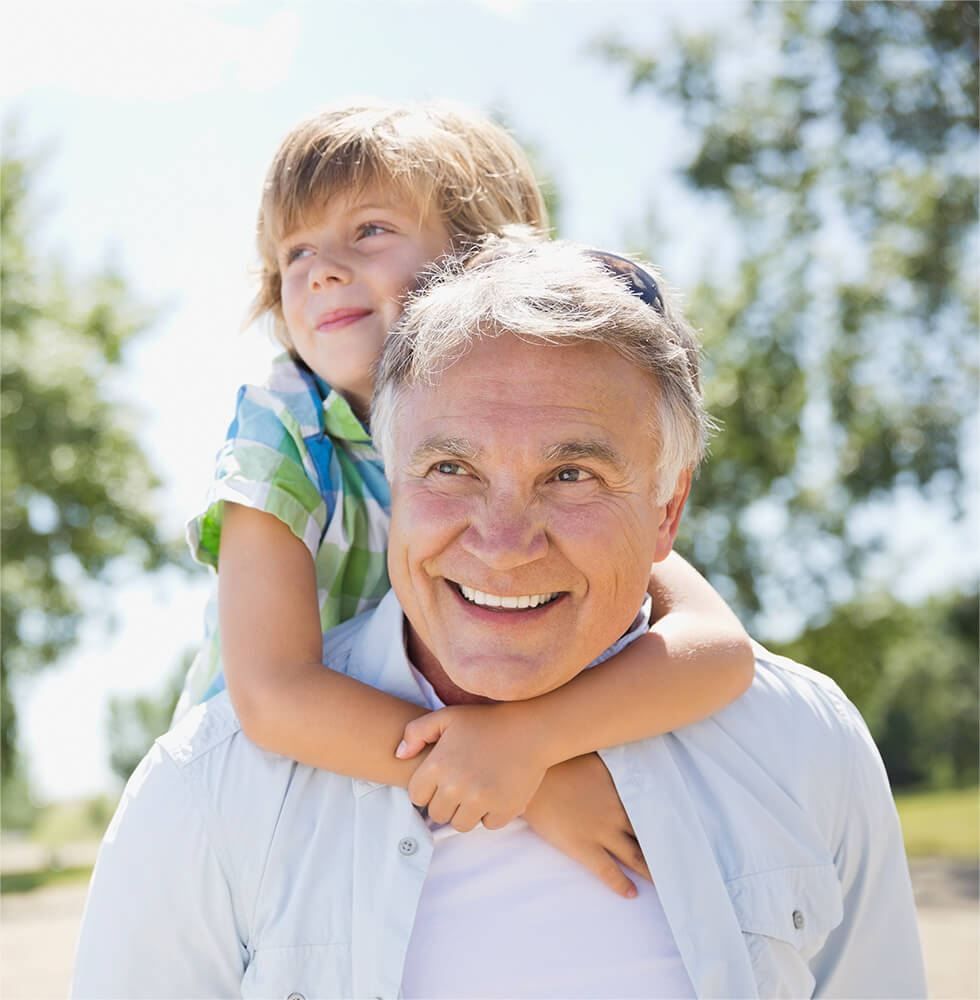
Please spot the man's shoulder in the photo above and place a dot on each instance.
(797, 721)
(207, 727)
(798, 694)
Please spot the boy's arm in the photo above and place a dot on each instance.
(272, 646)
(695, 660)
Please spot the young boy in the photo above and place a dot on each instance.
(357, 201)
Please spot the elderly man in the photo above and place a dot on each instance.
(539, 419)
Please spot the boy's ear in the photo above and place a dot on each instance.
(672, 516)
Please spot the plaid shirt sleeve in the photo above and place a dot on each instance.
(302, 456)
(263, 464)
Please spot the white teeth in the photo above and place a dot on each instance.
(497, 601)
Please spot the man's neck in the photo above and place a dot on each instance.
(422, 658)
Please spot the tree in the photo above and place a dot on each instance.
(76, 485)
(135, 722)
(912, 671)
(841, 142)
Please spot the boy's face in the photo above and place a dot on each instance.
(344, 275)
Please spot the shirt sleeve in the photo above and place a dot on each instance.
(160, 919)
(875, 950)
(263, 464)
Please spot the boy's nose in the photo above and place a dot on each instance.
(329, 268)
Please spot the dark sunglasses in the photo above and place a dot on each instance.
(639, 282)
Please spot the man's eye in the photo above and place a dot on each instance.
(573, 476)
(449, 469)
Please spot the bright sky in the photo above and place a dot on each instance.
(160, 120)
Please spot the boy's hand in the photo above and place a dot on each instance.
(485, 765)
(577, 809)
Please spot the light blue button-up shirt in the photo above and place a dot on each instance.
(769, 829)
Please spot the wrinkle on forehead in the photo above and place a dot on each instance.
(440, 444)
(591, 448)
(573, 450)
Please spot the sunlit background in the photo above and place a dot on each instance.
(149, 127)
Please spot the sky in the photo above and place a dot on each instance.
(158, 122)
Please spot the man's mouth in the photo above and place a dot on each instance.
(507, 603)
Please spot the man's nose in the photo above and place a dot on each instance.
(329, 267)
(505, 533)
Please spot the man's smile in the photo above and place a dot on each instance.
(507, 603)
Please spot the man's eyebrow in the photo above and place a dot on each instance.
(444, 447)
(590, 448)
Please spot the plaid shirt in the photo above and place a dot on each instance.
(296, 450)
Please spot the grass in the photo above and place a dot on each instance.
(945, 823)
(26, 881)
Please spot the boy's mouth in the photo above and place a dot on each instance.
(338, 318)
(506, 603)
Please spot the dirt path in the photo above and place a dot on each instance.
(38, 932)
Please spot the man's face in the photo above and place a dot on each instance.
(524, 514)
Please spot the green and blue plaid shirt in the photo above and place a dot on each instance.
(296, 450)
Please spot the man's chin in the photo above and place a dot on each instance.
(496, 678)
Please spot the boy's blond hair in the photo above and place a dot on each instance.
(437, 155)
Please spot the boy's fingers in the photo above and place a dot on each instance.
(425, 729)
(465, 818)
(421, 788)
(444, 803)
(406, 749)
(628, 853)
(497, 820)
(603, 865)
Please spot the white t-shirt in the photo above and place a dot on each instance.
(504, 914)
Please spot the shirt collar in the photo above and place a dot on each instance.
(339, 420)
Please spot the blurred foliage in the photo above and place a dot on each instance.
(18, 808)
(76, 483)
(135, 722)
(942, 823)
(912, 671)
(840, 143)
(60, 824)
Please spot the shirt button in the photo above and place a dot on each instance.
(798, 920)
(407, 846)
(295, 996)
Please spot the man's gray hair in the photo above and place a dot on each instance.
(550, 293)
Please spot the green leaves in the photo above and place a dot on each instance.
(841, 350)
(77, 488)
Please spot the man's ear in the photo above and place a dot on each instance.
(672, 516)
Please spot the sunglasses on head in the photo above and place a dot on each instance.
(639, 282)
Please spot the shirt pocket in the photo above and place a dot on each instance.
(303, 972)
(786, 916)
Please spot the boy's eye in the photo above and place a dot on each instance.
(371, 229)
(573, 475)
(295, 253)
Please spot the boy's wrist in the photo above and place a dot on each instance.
(537, 731)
